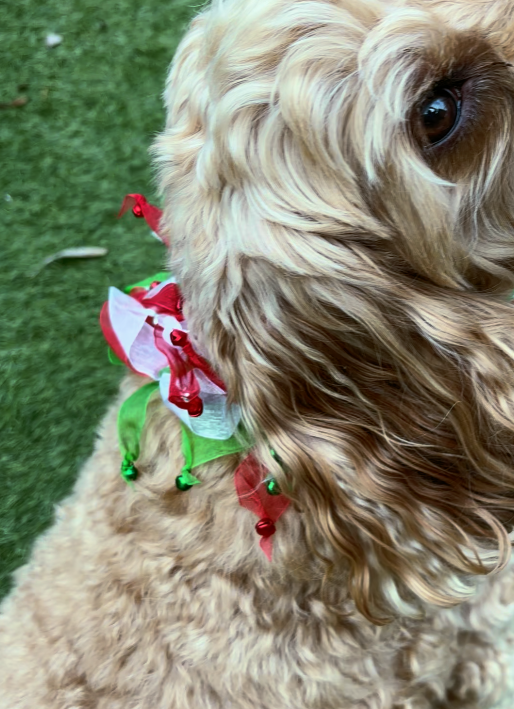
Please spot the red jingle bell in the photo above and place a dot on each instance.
(195, 407)
(265, 528)
(178, 338)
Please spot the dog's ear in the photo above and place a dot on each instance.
(328, 277)
(392, 410)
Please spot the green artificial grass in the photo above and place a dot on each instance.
(68, 156)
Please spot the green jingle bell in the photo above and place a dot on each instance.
(129, 472)
(272, 487)
(276, 457)
(181, 484)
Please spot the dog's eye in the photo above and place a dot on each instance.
(440, 114)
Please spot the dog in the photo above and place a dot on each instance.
(338, 189)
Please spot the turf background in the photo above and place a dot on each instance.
(67, 157)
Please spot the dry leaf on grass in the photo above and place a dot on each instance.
(16, 103)
(78, 252)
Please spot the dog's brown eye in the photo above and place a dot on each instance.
(440, 114)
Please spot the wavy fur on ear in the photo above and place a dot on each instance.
(351, 283)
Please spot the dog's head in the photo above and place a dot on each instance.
(339, 192)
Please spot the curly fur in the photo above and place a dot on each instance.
(351, 285)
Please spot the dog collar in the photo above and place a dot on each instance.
(146, 330)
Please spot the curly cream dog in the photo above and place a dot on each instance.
(338, 178)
